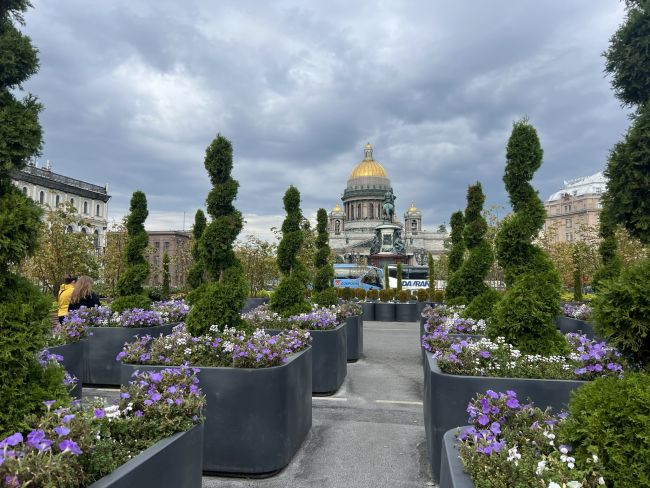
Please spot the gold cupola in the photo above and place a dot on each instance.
(368, 167)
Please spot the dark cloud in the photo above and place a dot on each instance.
(135, 91)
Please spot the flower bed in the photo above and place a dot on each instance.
(171, 311)
(512, 444)
(580, 311)
(352, 314)
(258, 391)
(449, 319)
(75, 446)
(317, 319)
(71, 357)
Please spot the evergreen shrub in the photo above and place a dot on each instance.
(622, 311)
(132, 301)
(610, 418)
(325, 298)
(324, 270)
(422, 294)
(404, 296)
(457, 251)
(399, 277)
(347, 293)
(360, 294)
(284, 298)
(372, 294)
(385, 295)
(482, 306)
(195, 275)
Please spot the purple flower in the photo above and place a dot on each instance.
(71, 446)
(492, 394)
(138, 413)
(512, 402)
(37, 440)
(156, 396)
(125, 394)
(484, 354)
(99, 413)
(68, 418)
(12, 440)
(155, 377)
(49, 403)
(62, 430)
(483, 419)
(495, 427)
(120, 356)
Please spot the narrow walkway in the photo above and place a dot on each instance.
(370, 434)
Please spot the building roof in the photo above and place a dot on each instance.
(46, 178)
(587, 185)
(368, 167)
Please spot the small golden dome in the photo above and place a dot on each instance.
(368, 167)
(413, 208)
(337, 209)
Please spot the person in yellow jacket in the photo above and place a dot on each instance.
(65, 292)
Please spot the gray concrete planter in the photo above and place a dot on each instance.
(406, 312)
(104, 343)
(354, 331)
(385, 311)
(446, 397)
(73, 362)
(568, 324)
(330, 359)
(421, 306)
(254, 302)
(255, 419)
(368, 310)
(452, 473)
(174, 462)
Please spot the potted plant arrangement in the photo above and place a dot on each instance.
(152, 438)
(257, 387)
(385, 307)
(574, 319)
(368, 306)
(406, 309)
(422, 296)
(351, 314)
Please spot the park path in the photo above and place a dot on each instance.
(370, 434)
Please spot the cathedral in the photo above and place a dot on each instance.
(365, 227)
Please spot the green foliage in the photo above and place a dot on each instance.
(611, 263)
(468, 281)
(423, 295)
(482, 306)
(166, 277)
(399, 277)
(326, 297)
(195, 275)
(628, 55)
(622, 311)
(292, 235)
(137, 266)
(386, 280)
(404, 296)
(628, 189)
(222, 299)
(438, 296)
(610, 417)
(218, 301)
(360, 294)
(524, 316)
(24, 325)
(324, 269)
(347, 293)
(432, 273)
(457, 252)
(20, 225)
(131, 301)
(289, 297)
(577, 279)
(385, 295)
(372, 294)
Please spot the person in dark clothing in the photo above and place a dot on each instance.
(83, 294)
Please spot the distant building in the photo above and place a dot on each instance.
(361, 229)
(51, 189)
(575, 206)
(172, 242)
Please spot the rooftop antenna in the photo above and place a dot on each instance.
(48, 166)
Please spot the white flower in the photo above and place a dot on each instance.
(541, 466)
(574, 484)
(563, 450)
(595, 458)
(553, 484)
(601, 481)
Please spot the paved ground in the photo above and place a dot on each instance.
(368, 435)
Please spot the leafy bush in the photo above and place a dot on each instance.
(457, 252)
(482, 306)
(288, 297)
(360, 294)
(622, 311)
(422, 294)
(196, 274)
(120, 304)
(385, 295)
(404, 296)
(324, 270)
(438, 296)
(137, 266)
(372, 294)
(347, 293)
(218, 299)
(326, 297)
(610, 418)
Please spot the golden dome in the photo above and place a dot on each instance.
(368, 167)
(413, 208)
(337, 209)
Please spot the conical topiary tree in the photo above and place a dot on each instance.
(166, 278)
(432, 276)
(197, 271)
(289, 297)
(398, 273)
(467, 284)
(130, 292)
(324, 293)
(525, 314)
(457, 251)
(219, 301)
(24, 311)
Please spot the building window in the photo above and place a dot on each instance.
(83, 230)
(98, 211)
(25, 190)
(157, 245)
(72, 201)
(96, 239)
(41, 197)
(69, 229)
(568, 223)
(57, 201)
(414, 225)
(166, 246)
(359, 211)
(371, 211)
(85, 207)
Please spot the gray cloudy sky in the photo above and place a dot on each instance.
(135, 91)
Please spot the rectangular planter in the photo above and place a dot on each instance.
(354, 331)
(100, 366)
(330, 359)
(452, 473)
(385, 312)
(446, 397)
(368, 310)
(73, 362)
(569, 324)
(174, 462)
(406, 312)
(255, 419)
(253, 302)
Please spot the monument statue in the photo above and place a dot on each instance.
(388, 205)
(375, 246)
(398, 244)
